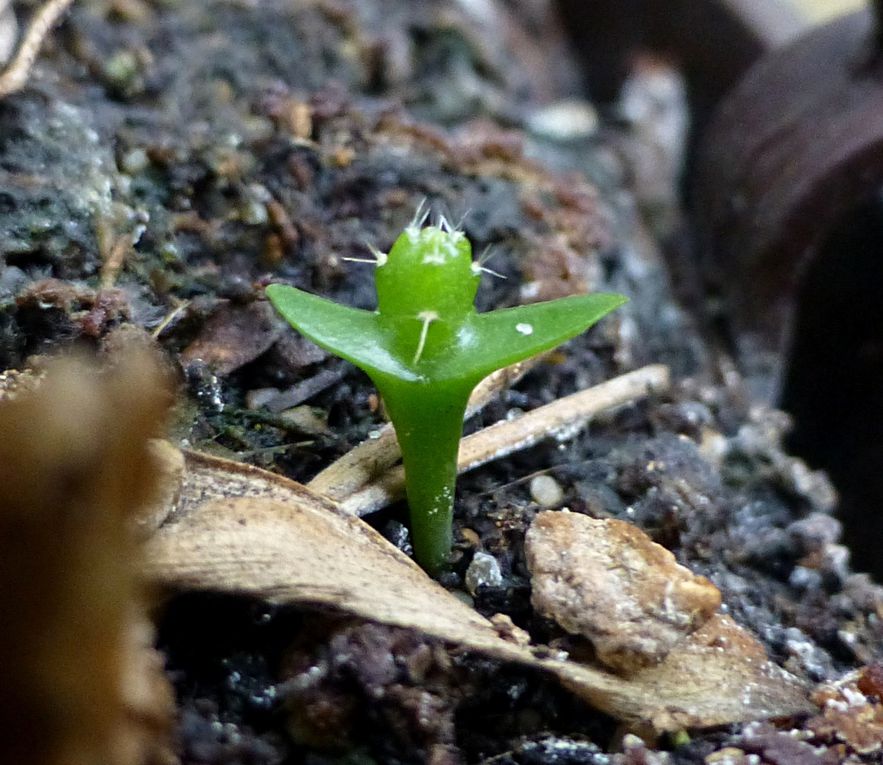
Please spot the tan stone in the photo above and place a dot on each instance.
(606, 580)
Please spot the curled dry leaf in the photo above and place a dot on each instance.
(206, 478)
(304, 551)
(718, 675)
(170, 467)
(608, 581)
(234, 335)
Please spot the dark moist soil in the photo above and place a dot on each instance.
(235, 144)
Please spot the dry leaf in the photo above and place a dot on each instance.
(208, 478)
(305, 552)
(169, 464)
(302, 551)
(718, 675)
(235, 335)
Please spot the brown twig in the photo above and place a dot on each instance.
(564, 416)
(169, 318)
(372, 458)
(16, 74)
(114, 259)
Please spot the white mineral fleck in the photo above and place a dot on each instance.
(483, 571)
(566, 120)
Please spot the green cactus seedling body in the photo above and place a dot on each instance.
(426, 348)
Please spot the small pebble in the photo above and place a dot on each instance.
(307, 419)
(258, 397)
(609, 582)
(565, 120)
(253, 213)
(470, 536)
(122, 72)
(134, 161)
(483, 571)
(397, 533)
(546, 491)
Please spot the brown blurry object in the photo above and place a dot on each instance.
(714, 41)
(789, 219)
(794, 147)
(79, 682)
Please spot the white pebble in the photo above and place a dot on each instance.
(546, 491)
(483, 571)
(567, 120)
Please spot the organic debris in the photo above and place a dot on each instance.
(852, 711)
(233, 336)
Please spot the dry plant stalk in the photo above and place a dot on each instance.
(113, 249)
(370, 459)
(14, 77)
(77, 683)
(564, 416)
(205, 477)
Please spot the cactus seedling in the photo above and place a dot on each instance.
(426, 348)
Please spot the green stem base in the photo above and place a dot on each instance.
(429, 424)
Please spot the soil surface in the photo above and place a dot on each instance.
(168, 160)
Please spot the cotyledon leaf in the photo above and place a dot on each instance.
(499, 338)
(354, 334)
